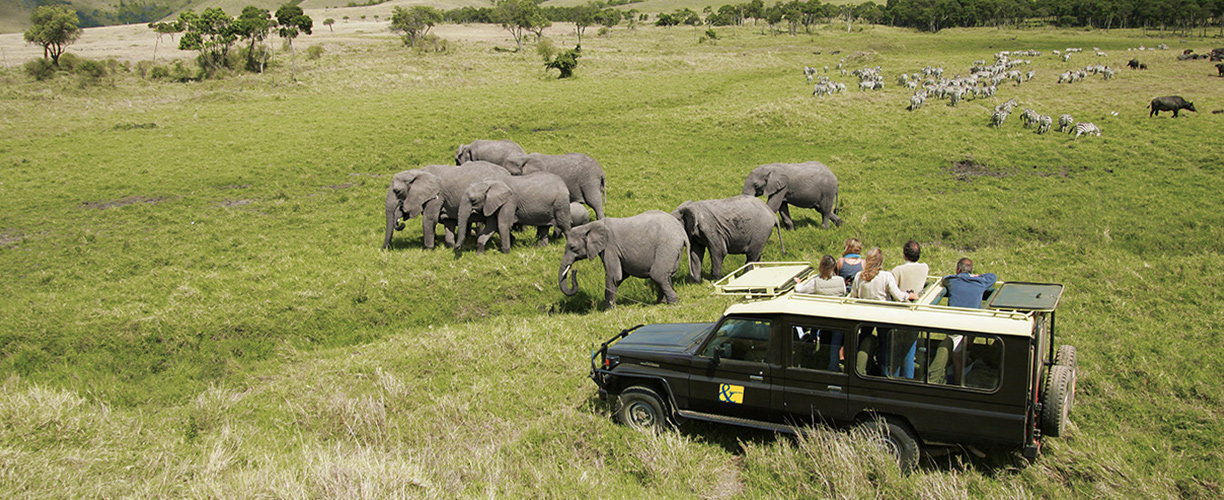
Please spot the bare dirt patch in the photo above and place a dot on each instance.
(234, 203)
(130, 200)
(969, 168)
(235, 186)
(7, 239)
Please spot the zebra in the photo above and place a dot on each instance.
(916, 101)
(1029, 76)
(1043, 124)
(1065, 122)
(1029, 117)
(997, 119)
(1086, 128)
(1065, 77)
(1008, 106)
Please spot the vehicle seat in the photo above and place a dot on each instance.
(937, 370)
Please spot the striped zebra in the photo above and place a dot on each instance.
(916, 101)
(997, 119)
(1086, 128)
(1043, 124)
(1007, 106)
(1065, 122)
(1029, 117)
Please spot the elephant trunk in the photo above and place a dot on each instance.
(465, 214)
(567, 263)
(395, 212)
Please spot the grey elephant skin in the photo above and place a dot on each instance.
(486, 150)
(736, 225)
(582, 174)
(648, 245)
(539, 199)
(437, 191)
(804, 185)
(578, 215)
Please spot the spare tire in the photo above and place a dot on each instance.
(1066, 357)
(1056, 400)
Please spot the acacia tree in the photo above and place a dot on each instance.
(415, 22)
(519, 17)
(212, 33)
(253, 25)
(292, 22)
(169, 28)
(55, 28)
(583, 16)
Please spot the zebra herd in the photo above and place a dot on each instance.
(1031, 118)
(1077, 75)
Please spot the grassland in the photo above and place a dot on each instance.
(195, 303)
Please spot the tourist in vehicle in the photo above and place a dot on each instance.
(827, 282)
(912, 275)
(874, 283)
(850, 262)
(966, 289)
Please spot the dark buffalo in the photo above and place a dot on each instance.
(1133, 64)
(1169, 103)
(1220, 68)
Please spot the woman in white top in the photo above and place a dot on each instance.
(874, 283)
(825, 283)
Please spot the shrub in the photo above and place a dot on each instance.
(432, 43)
(314, 52)
(40, 69)
(90, 72)
(603, 31)
(711, 35)
(565, 62)
(546, 49)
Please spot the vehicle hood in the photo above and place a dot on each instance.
(662, 338)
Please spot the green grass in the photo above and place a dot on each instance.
(227, 325)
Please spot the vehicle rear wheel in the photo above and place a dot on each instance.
(1066, 357)
(641, 408)
(898, 440)
(1056, 400)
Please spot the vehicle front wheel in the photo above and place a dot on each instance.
(641, 408)
(897, 439)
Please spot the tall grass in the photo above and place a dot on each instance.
(196, 303)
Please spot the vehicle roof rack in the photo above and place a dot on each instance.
(762, 279)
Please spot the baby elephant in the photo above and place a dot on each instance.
(736, 225)
(647, 245)
(804, 185)
(1169, 103)
(540, 199)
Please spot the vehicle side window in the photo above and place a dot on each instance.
(817, 348)
(740, 339)
(930, 357)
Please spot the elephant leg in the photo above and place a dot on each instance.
(427, 232)
(612, 279)
(507, 237)
(716, 263)
(784, 211)
(450, 226)
(542, 235)
(483, 238)
(667, 294)
(696, 254)
(830, 216)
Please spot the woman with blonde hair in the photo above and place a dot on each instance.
(874, 283)
(825, 283)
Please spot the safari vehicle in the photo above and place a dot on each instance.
(927, 376)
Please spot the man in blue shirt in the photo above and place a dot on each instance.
(966, 289)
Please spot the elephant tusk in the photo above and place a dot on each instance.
(565, 271)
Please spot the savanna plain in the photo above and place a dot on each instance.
(195, 302)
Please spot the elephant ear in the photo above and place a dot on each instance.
(776, 183)
(496, 195)
(597, 238)
(462, 155)
(400, 182)
(424, 187)
(514, 163)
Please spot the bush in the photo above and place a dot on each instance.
(565, 62)
(432, 43)
(143, 68)
(68, 61)
(314, 52)
(40, 69)
(90, 72)
(546, 49)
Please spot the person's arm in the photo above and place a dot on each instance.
(898, 294)
(808, 286)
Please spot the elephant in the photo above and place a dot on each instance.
(434, 192)
(540, 199)
(404, 202)
(804, 185)
(736, 225)
(578, 215)
(485, 150)
(583, 175)
(647, 245)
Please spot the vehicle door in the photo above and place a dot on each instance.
(813, 385)
(730, 375)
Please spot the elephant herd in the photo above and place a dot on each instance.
(499, 185)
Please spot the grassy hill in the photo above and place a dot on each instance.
(196, 304)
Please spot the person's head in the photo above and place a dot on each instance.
(912, 251)
(964, 265)
(873, 263)
(853, 246)
(826, 266)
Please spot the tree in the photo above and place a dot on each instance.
(329, 22)
(211, 32)
(253, 25)
(55, 28)
(583, 16)
(292, 22)
(519, 17)
(565, 62)
(414, 23)
(164, 29)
